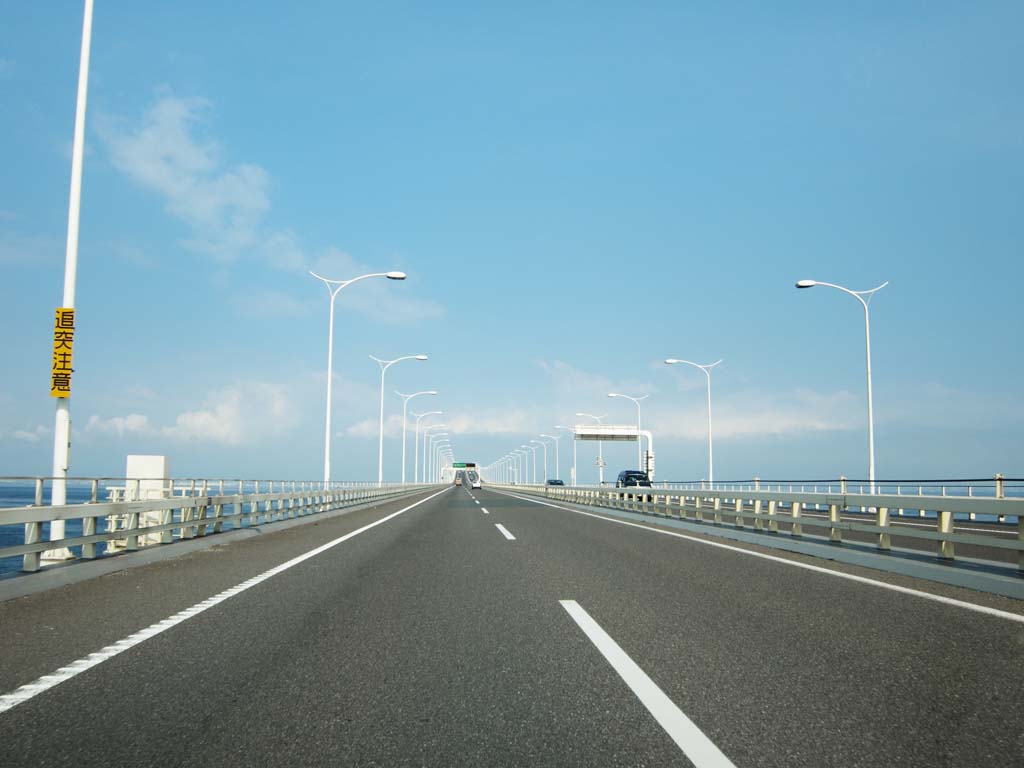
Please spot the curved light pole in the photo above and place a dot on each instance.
(426, 433)
(543, 445)
(555, 438)
(707, 372)
(600, 452)
(531, 448)
(573, 433)
(334, 288)
(384, 365)
(639, 442)
(405, 419)
(522, 457)
(416, 466)
(859, 296)
(429, 456)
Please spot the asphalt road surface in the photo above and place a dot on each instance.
(482, 629)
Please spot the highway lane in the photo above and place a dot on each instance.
(435, 639)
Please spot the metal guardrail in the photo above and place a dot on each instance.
(203, 506)
(767, 509)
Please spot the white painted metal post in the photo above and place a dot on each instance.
(859, 295)
(334, 287)
(62, 417)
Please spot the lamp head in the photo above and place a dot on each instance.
(614, 394)
(806, 283)
(671, 361)
(421, 357)
(395, 275)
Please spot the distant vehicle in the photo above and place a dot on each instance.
(458, 478)
(632, 478)
(474, 480)
(556, 482)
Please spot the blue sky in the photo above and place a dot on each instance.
(576, 190)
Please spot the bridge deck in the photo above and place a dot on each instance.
(436, 638)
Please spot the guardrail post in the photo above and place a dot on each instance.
(89, 523)
(842, 485)
(201, 512)
(218, 509)
(33, 534)
(835, 533)
(131, 541)
(738, 521)
(882, 521)
(773, 524)
(758, 522)
(1020, 541)
(240, 504)
(797, 529)
(718, 510)
(698, 513)
(945, 525)
(1000, 486)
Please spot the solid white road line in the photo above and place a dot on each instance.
(504, 532)
(794, 563)
(699, 748)
(44, 683)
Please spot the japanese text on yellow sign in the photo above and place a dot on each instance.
(63, 343)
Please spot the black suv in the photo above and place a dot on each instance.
(632, 477)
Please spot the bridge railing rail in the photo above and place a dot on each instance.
(768, 509)
(134, 516)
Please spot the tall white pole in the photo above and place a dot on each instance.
(384, 365)
(871, 411)
(859, 295)
(62, 418)
(707, 372)
(380, 432)
(334, 287)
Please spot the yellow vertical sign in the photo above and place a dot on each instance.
(63, 345)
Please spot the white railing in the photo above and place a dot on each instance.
(131, 518)
(767, 509)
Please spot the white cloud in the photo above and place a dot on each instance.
(751, 414)
(17, 248)
(384, 300)
(371, 427)
(33, 436)
(272, 304)
(223, 206)
(133, 423)
(505, 422)
(236, 414)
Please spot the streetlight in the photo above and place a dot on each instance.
(432, 447)
(426, 433)
(859, 296)
(334, 288)
(556, 438)
(62, 413)
(416, 466)
(384, 365)
(636, 401)
(523, 468)
(405, 419)
(544, 445)
(573, 432)
(531, 448)
(707, 372)
(600, 454)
